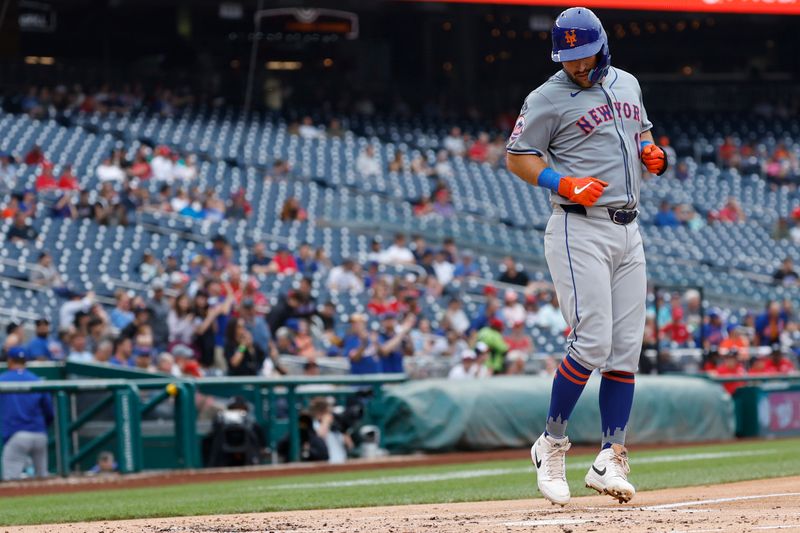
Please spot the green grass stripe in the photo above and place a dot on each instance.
(495, 480)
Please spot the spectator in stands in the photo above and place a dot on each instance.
(688, 217)
(63, 207)
(454, 142)
(549, 315)
(84, 209)
(367, 163)
(68, 181)
(244, 357)
(44, 274)
(531, 310)
(425, 341)
(675, 331)
(109, 171)
(786, 274)
(519, 340)
(28, 203)
(666, 216)
(35, 156)
(308, 131)
(513, 311)
(492, 336)
(180, 321)
(77, 349)
(306, 264)
(397, 164)
(284, 309)
(303, 341)
(121, 315)
(140, 169)
(11, 208)
(345, 278)
(206, 325)
(420, 167)
(442, 205)
(382, 301)
(259, 261)
(15, 336)
(398, 253)
(423, 207)
(21, 232)
(360, 346)
(466, 268)
(466, 368)
(483, 364)
(8, 172)
(284, 341)
(105, 464)
(45, 181)
(394, 342)
(713, 330)
(454, 316)
(159, 305)
(730, 212)
(238, 208)
(443, 268)
(729, 153)
(443, 169)
(736, 342)
(121, 352)
(292, 210)
(104, 351)
(41, 347)
(510, 274)
(770, 324)
(257, 326)
(162, 165)
(283, 262)
(778, 363)
(26, 417)
(479, 151)
(730, 366)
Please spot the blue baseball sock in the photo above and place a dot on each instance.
(616, 400)
(568, 385)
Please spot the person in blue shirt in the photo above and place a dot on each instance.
(665, 217)
(25, 417)
(394, 342)
(360, 346)
(466, 267)
(39, 347)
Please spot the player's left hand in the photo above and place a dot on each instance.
(654, 159)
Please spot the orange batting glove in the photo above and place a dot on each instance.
(654, 158)
(585, 191)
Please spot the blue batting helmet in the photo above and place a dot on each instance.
(578, 33)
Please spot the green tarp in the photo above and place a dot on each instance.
(509, 412)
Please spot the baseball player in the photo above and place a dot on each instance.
(584, 134)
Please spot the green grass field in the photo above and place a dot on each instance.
(397, 486)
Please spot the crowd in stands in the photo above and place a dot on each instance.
(766, 342)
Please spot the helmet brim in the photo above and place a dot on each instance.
(579, 52)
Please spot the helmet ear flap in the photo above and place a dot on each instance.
(603, 62)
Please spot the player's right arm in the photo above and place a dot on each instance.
(527, 145)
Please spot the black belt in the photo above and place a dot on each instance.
(623, 217)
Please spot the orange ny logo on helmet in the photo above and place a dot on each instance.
(570, 38)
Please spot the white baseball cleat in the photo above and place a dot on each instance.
(548, 456)
(609, 474)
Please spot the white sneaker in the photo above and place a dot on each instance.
(548, 456)
(609, 474)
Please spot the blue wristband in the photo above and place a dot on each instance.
(643, 144)
(549, 178)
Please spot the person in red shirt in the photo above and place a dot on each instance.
(35, 156)
(68, 181)
(731, 212)
(46, 181)
(517, 339)
(676, 331)
(382, 302)
(730, 366)
(777, 363)
(479, 150)
(283, 262)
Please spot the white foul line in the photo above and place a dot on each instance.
(470, 474)
(717, 500)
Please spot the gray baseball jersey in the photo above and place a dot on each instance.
(587, 132)
(597, 266)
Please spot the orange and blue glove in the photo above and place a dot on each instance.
(584, 191)
(653, 158)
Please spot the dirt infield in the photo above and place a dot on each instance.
(763, 505)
